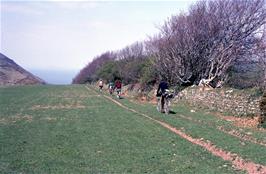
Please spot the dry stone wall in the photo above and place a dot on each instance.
(231, 101)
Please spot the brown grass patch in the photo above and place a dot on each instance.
(49, 118)
(59, 106)
(16, 118)
(240, 122)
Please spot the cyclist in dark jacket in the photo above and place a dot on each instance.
(162, 87)
(161, 93)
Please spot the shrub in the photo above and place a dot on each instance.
(109, 71)
(263, 111)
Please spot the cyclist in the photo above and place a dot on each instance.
(101, 85)
(118, 87)
(111, 87)
(161, 92)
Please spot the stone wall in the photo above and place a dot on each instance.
(231, 101)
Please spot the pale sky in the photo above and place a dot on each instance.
(66, 35)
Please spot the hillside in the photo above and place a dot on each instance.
(13, 74)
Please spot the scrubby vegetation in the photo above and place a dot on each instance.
(263, 111)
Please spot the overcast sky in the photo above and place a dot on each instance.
(66, 35)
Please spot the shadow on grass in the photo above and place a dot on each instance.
(172, 112)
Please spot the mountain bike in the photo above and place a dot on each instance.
(164, 101)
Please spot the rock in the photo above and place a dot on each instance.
(229, 91)
(249, 133)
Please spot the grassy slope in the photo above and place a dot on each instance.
(100, 138)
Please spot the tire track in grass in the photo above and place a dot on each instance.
(238, 162)
(242, 136)
(92, 90)
(232, 132)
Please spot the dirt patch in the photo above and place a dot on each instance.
(70, 95)
(236, 160)
(59, 106)
(16, 118)
(143, 99)
(53, 119)
(240, 122)
(3, 121)
(154, 100)
(49, 118)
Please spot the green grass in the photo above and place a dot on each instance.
(207, 129)
(69, 129)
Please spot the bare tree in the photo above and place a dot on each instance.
(262, 56)
(130, 61)
(133, 51)
(204, 43)
(169, 51)
(239, 23)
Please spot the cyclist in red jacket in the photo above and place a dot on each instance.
(118, 87)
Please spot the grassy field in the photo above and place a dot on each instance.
(72, 129)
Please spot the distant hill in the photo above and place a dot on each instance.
(13, 74)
